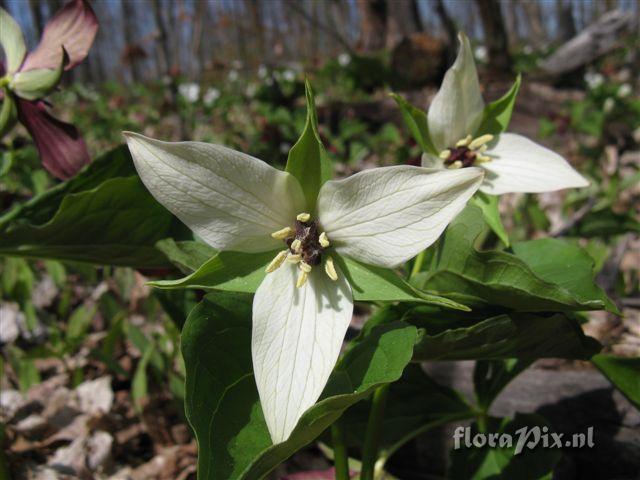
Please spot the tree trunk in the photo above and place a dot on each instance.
(373, 24)
(402, 20)
(163, 53)
(536, 27)
(450, 29)
(130, 28)
(36, 14)
(513, 24)
(566, 23)
(495, 35)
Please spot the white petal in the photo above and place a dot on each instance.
(431, 161)
(520, 165)
(385, 216)
(295, 343)
(232, 200)
(456, 110)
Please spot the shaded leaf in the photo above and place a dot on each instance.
(489, 206)
(497, 115)
(187, 255)
(416, 121)
(623, 373)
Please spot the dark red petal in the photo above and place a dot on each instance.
(61, 147)
(74, 27)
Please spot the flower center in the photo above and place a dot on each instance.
(305, 247)
(467, 152)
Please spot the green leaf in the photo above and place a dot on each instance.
(495, 278)
(221, 397)
(187, 255)
(35, 84)
(490, 377)
(489, 206)
(472, 463)
(243, 272)
(623, 373)
(416, 404)
(497, 115)
(8, 113)
(416, 121)
(564, 264)
(308, 161)
(140, 383)
(12, 41)
(116, 223)
(517, 335)
(78, 324)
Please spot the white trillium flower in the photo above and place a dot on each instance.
(344, 59)
(624, 90)
(210, 96)
(593, 80)
(512, 163)
(608, 104)
(233, 76)
(189, 91)
(481, 53)
(289, 75)
(303, 307)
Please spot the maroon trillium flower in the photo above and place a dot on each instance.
(28, 77)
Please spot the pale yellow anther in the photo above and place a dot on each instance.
(303, 217)
(481, 140)
(482, 149)
(286, 232)
(324, 240)
(305, 267)
(296, 245)
(294, 258)
(330, 269)
(444, 154)
(302, 279)
(455, 165)
(277, 261)
(482, 159)
(464, 142)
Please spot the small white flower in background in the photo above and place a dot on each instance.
(527, 49)
(251, 90)
(289, 75)
(512, 163)
(233, 75)
(263, 71)
(210, 96)
(303, 307)
(284, 147)
(608, 105)
(189, 91)
(481, 53)
(344, 59)
(624, 90)
(268, 81)
(593, 80)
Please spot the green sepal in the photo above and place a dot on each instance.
(497, 115)
(8, 113)
(35, 84)
(12, 41)
(416, 121)
(489, 206)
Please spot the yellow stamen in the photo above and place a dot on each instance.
(294, 258)
(465, 141)
(482, 159)
(455, 165)
(305, 267)
(277, 261)
(482, 149)
(444, 154)
(324, 240)
(478, 142)
(296, 245)
(330, 269)
(302, 279)
(303, 217)
(286, 232)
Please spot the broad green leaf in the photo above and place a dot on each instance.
(116, 223)
(497, 115)
(416, 404)
(564, 264)
(187, 255)
(35, 84)
(490, 377)
(8, 113)
(623, 373)
(494, 278)
(38, 210)
(12, 41)
(489, 206)
(517, 335)
(472, 463)
(308, 160)
(416, 121)
(243, 272)
(222, 401)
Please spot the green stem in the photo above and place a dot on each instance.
(374, 431)
(417, 264)
(340, 456)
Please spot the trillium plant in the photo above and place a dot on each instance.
(26, 78)
(303, 307)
